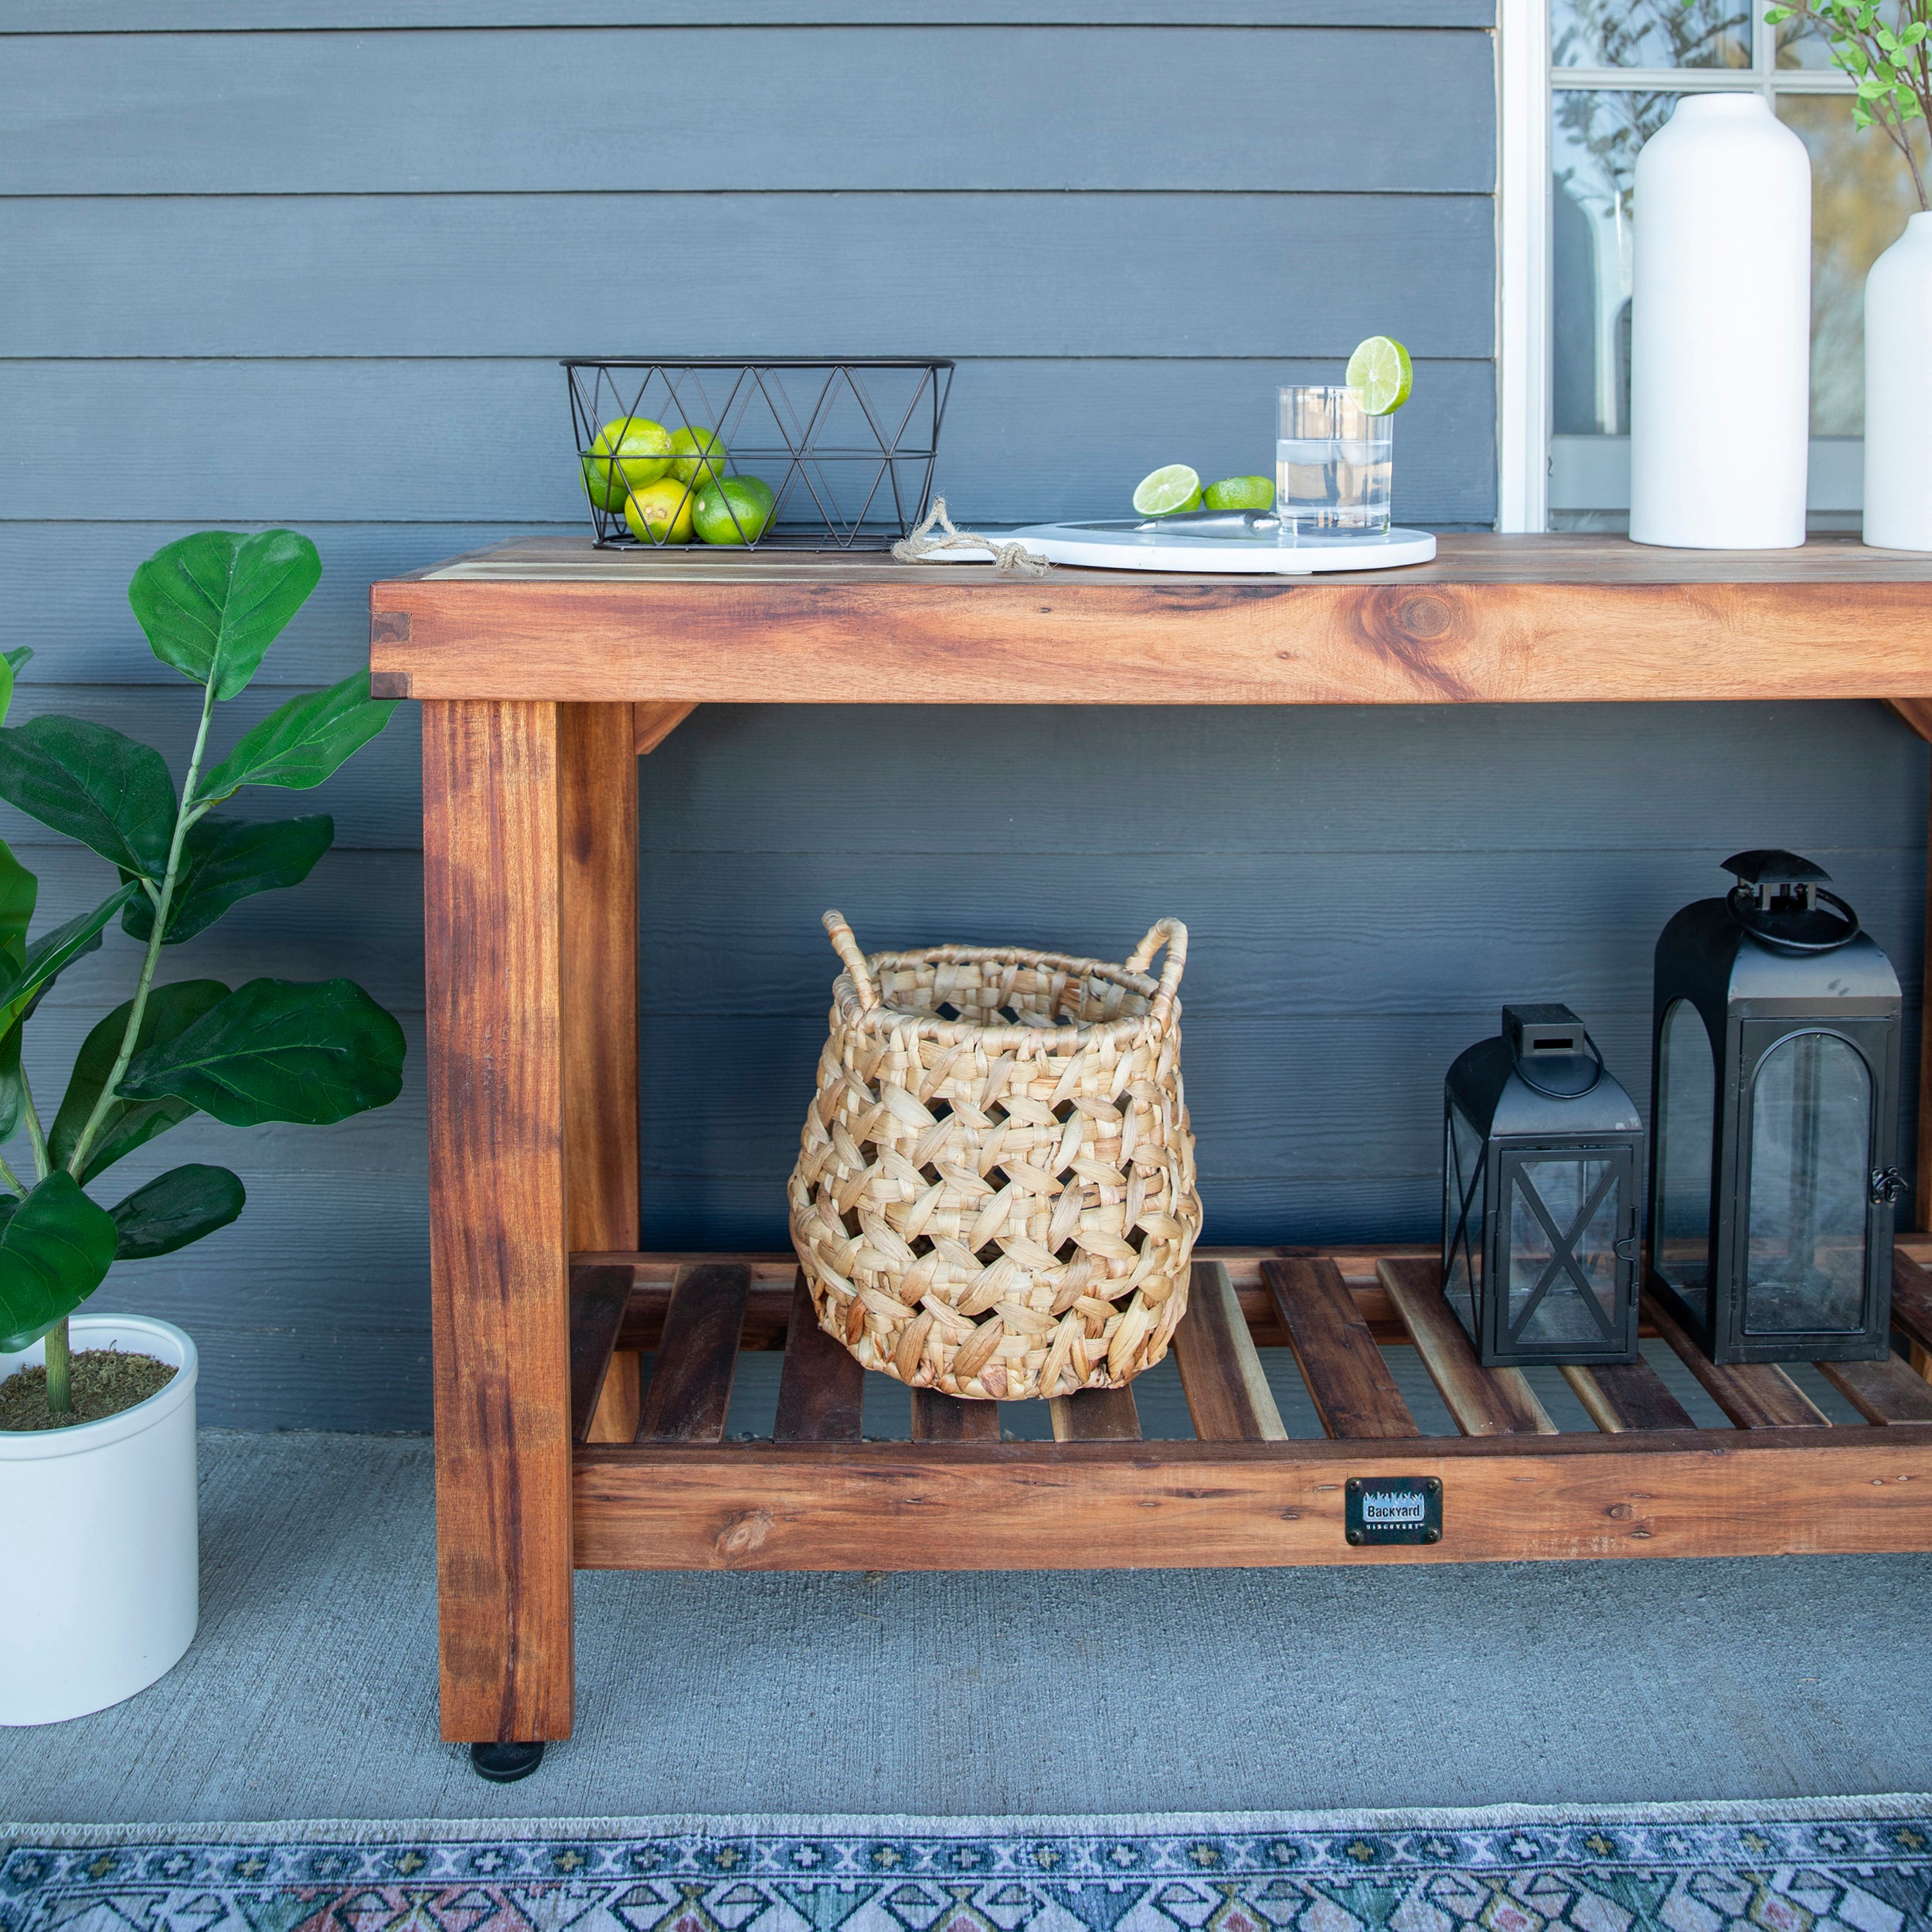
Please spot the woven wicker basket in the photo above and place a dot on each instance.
(994, 1194)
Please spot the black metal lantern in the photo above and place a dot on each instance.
(1542, 1150)
(1775, 1068)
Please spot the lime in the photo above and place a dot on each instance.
(699, 457)
(735, 509)
(1175, 488)
(1241, 493)
(661, 511)
(1381, 374)
(628, 452)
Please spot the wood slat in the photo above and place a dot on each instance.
(597, 886)
(1348, 1381)
(1911, 1298)
(1519, 619)
(1021, 1505)
(1626, 1396)
(598, 1298)
(690, 1391)
(1755, 1395)
(1096, 1415)
(938, 1418)
(1227, 1393)
(652, 723)
(1886, 1392)
(822, 1388)
(1484, 1402)
(499, 1279)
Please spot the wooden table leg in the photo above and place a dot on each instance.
(498, 1250)
(597, 792)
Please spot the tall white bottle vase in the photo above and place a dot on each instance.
(1898, 392)
(1721, 330)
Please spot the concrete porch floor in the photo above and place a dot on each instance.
(309, 1691)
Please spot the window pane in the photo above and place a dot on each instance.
(1650, 33)
(1685, 1115)
(1463, 1181)
(1565, 1187)
(1594, 146)
(1811, 1143)
(1861, 194)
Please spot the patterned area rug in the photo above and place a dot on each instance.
(1853, 1865)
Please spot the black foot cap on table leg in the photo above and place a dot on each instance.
(504, 1763)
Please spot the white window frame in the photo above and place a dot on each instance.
(1536, 472)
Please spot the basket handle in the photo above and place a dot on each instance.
(847, 948)
(1173, 934)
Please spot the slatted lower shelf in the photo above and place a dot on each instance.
(1780, 1477)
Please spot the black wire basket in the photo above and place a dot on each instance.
(789, 454)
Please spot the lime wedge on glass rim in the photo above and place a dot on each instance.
(1381, 374)
(1174, 488)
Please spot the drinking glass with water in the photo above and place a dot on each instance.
(1332, 464)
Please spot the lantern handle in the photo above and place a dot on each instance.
(1173, 934)
(1556, 1092)
(847, 948)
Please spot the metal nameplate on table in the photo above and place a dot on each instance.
(1392, 1509)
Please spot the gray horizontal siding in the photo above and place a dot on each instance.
(743, 109)
(311, 261)
(1115, 274)
(204, 16)
(1364, 889)
(465, 442)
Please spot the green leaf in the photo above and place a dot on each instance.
(128, 1124)
(52, 953)
(13, 1086)
(175, 1208)
(223, 859)
(300, 742)
(212, 603)
(274, 1050)
(94, 785)
(19, 891)
(56, 1249)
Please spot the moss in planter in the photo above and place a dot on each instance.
(105, 1382)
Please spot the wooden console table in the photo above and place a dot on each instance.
(543, 667)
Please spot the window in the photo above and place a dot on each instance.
(1585, 82)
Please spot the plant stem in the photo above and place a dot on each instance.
(11, 1178)
(60, 1371)
(36, 1139)
(184, 815)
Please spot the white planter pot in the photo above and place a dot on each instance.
(1898, 392)
(102, 1573)
(1721, 330)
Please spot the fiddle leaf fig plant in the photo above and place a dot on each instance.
(272, 1050)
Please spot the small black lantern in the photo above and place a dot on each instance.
(1775, 1067)
(1542, 1150)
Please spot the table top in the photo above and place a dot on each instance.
(1494, 619)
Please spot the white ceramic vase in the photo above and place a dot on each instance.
(98, 1522)
(1721, 330)
(1898, 392)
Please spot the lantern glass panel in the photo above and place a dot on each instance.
(1686, 1100)
(1563, 1225)
(1810, 1164)
(1462, 1169)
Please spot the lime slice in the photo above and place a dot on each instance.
(1175, 488)
(1241, 493)
(1381, 374)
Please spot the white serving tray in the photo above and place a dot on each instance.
(1128, 547)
